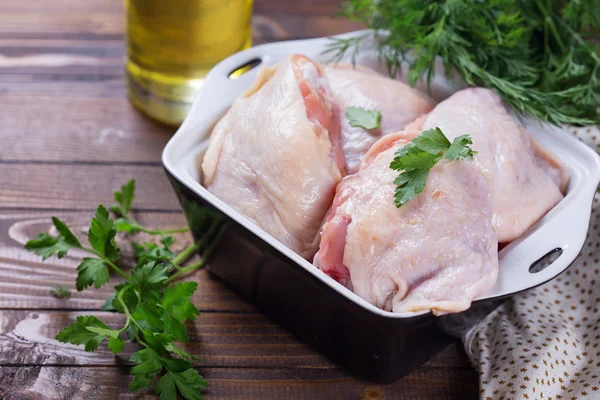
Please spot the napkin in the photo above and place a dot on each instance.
(545, 343)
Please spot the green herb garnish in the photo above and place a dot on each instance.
(416, 159)
(154, 305)
(60, 292)
(126, 223)
(542, 57)
(359, 117)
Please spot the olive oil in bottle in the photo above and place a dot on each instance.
(171, 45)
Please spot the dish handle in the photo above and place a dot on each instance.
(532, 260)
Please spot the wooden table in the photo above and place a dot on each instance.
(68, 138)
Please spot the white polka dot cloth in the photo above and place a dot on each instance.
(545, 343)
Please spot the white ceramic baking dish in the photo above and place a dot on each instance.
(562, 231)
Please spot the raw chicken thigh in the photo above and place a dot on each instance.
(397, 102)
(437, 252)
(276, 157)
(527, 179)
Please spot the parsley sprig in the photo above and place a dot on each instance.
(154, 304)
(541, 56)
(60, 292)
(363, 118)
(416, 159)
(126, 223)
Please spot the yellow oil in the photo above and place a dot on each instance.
(171, 46)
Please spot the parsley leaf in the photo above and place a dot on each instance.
(459, 150)
(359, 117)
(65, 232)
(178, 308)
(188, 382)
(420, 160)
(148, 367)
(116, 344)
(149, 276)
(180, 352)
(158, 341)
(128, 296)
(149, 315)
(409, 184)
(102, 234)
(45, 245)
(154, 252)
(177, 301)
(87, 330)
(124, 199)
(92, 271)
(179, 373)
(104, 331)
(108, 304)
(432, 141)
(167, 241)
(155, 309)
(174, 326)
(416, 159)
(60, 292)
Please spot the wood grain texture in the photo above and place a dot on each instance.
(100, 129)
(221, 339)
(25, 280)
(69, 138)
(63, 96)
(37, 382)
(73, 186)
(105, 18)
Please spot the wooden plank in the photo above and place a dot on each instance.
(301, 8)
(25, 280)
(77, 127)
(22, 56)
(73, 90)
(60, 22)
(71, 21)
(107, 49)
(290, 384)
(76, 187)
(220, 339)
(62, 6)
(41, 58)
(75, 112)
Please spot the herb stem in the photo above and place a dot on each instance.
(129, 316)
(125, 308)
(161, 232)
(186, 270)
(107, 261)
(117, 269)
(205, 255)
(492, 21)
(549, 21)
(187, 252)
(149, 231)
(580, 40)
(120, 299)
